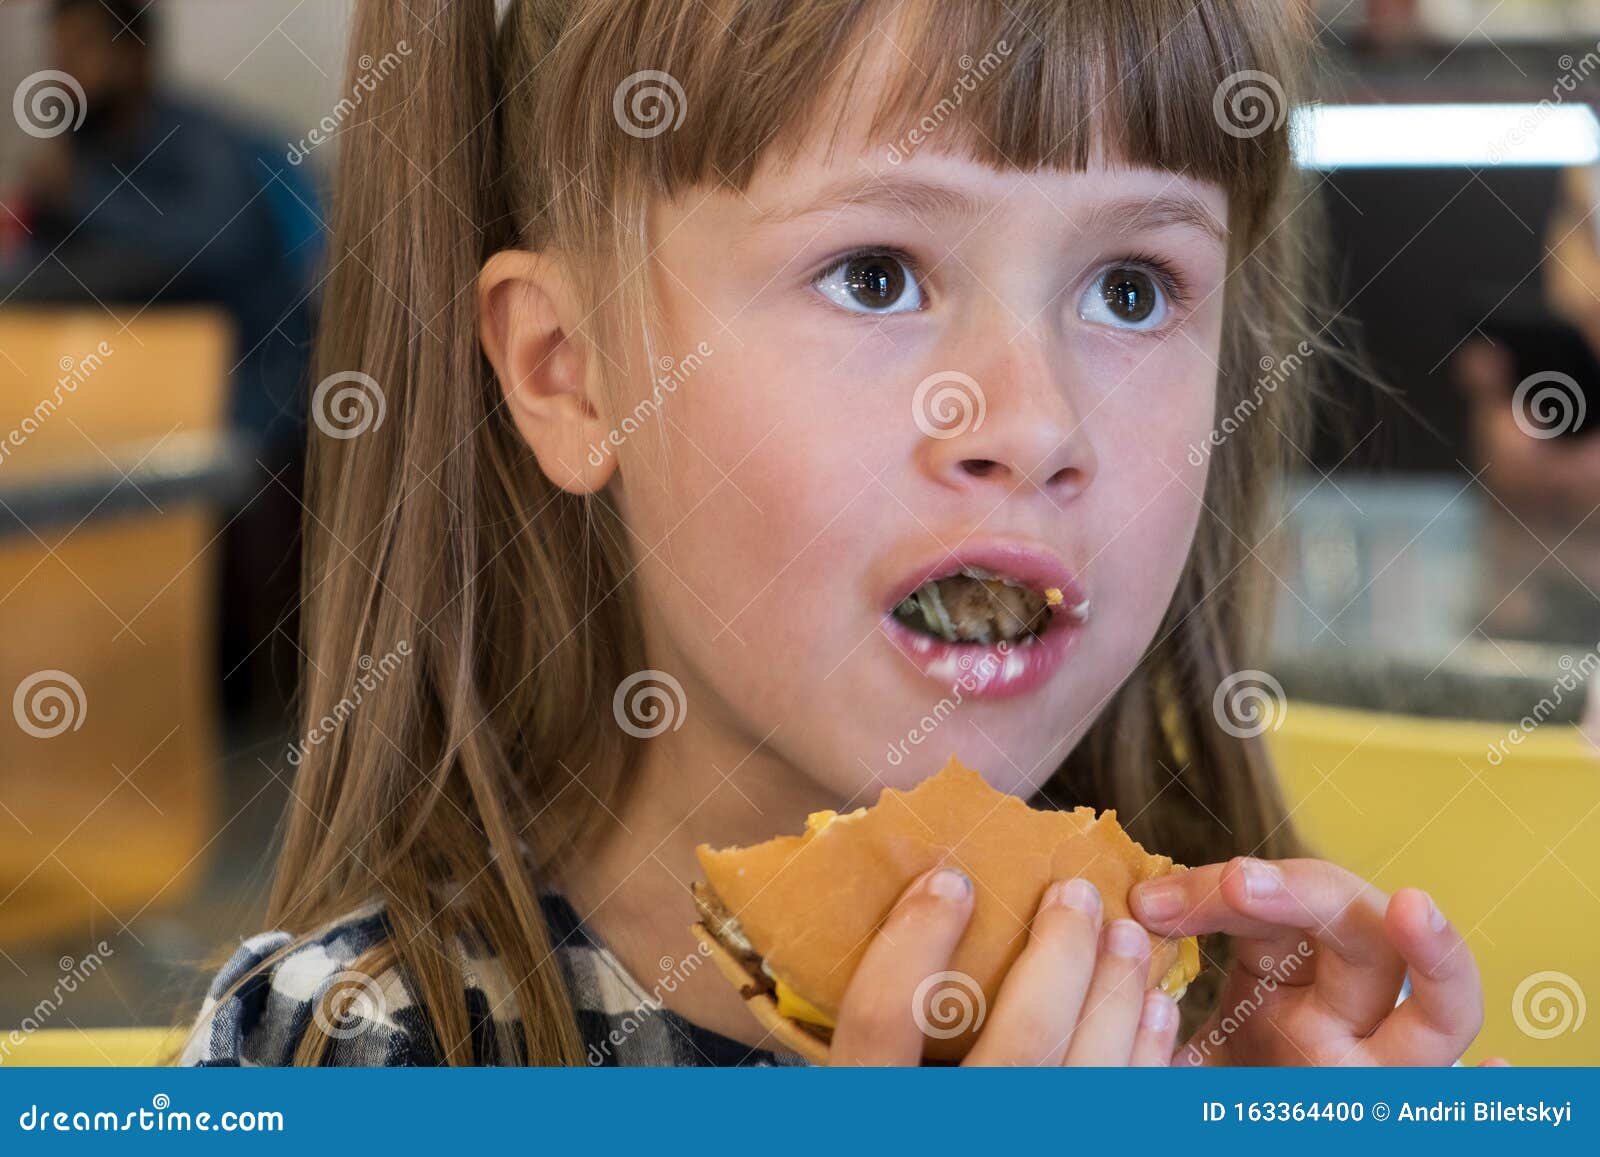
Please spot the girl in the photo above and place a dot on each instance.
(676, 346)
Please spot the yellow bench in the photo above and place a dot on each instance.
(93, 1048)
(1511, 851)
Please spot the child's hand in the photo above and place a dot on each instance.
(1321, 958)
(1076, 994)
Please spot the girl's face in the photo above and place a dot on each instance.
(889, 369)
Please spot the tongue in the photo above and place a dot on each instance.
(967, 609)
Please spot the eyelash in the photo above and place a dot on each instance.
(1171, 277)
(1172, 280)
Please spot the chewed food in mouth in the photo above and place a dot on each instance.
(977, 606)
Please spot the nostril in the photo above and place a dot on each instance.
(980, 467)
(1063, 476)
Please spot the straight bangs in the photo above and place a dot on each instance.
(709, 90)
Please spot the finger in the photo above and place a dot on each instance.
(876, 1025)
(1494, 1063)
(1158, 1031)
(1358, 972)
(1444, 1012)
(1485, 371)
(1038, 1004)
(1110, 1017)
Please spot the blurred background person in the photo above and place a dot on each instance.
(152, 198)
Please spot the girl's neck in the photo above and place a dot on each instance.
(632, 887)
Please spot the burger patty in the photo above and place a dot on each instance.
(724, 926)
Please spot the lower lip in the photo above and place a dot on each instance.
(987, 670)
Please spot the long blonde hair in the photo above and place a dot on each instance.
(440, 795)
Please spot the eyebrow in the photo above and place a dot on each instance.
(921, 198)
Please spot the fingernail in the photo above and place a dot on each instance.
(1078, 894)
(949, 884)
(1160, 1010)
(1126, 938)
(1261, 879)
(1436, 919)
(1159, 901)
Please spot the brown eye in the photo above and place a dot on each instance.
(1126, 297)
(1130, 294)
(875, 282)
(872, 282)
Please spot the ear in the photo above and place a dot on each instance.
(528, 319)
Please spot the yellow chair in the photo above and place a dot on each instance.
(1510, 850)
(109, 795)
(92, 1048)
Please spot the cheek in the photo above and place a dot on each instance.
(1152, 475)
(737, 499)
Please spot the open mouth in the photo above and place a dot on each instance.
(973, 605)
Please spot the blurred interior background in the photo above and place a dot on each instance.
(162, 192)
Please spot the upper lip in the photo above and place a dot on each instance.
(1020, 563)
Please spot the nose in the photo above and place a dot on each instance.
(1008, 426)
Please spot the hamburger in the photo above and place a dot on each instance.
(788, 921)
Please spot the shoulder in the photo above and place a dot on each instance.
(276, 988)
